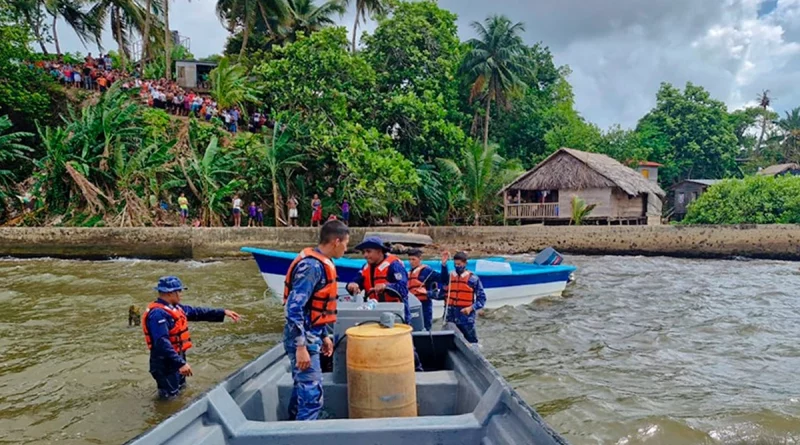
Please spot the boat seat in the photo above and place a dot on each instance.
(436, 395)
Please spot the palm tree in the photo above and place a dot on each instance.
(790, 134)
(230, 85)
(494, 64)
(147, 50)
(480, 174)
(71, 11)
(126, 17)
(764, 102)
(580, 211)
(364, 8)
(244, 13)
(307, 17)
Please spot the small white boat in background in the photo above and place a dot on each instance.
(506, 283)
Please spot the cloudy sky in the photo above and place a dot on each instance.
(619, 50)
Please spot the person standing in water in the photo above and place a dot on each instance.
(237, 211)
(310, 296)
(166, 333)
(183, 204)
(463, 294)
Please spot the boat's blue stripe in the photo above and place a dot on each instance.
(275, 262)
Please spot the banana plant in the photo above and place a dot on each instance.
(211, 178)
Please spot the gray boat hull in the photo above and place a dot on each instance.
(461, 400)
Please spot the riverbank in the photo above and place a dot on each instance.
(766, 241)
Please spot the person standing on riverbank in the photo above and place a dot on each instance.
(183, 203)
(292, 205)
(237, 211)
(463, 294)
(316, 211)
(166, 333)
(423, 284)
(252, 213)
(345, 212)
(310, 296)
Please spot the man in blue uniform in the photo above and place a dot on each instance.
(423, 283)
(463, 294)
(166, 332)
(383, 278)
(310, 295)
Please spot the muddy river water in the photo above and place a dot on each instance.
(639, 350)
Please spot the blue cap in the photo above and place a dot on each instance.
(372, 242)
(169, 284)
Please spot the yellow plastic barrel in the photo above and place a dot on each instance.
(380, 372)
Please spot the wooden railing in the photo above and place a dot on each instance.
(532, 211)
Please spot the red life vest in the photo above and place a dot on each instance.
(375, 275)
(178, 335)
(323, 302)
(416, 286)
(459, 292)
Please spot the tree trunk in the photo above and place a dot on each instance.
(146, 35)
(486, 122)
(355, 26)
(167, 43)
(276, 201)
(55, 35)
(37, 32)
(245, 37)
(763, 130)
(118, 33)
(266, 20)
(477, 218)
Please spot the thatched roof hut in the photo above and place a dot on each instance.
(576, 170)
(618, 191)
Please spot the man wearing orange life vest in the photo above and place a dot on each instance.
(423, 284)
(384, 277)
(166, 333)
(463, 294)
(310, 296)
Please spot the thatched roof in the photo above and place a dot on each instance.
(578, 170)
(777, 169)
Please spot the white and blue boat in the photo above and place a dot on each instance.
(506, 283)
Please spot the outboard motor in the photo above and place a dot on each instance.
(548, 257)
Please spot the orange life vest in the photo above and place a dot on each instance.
(323, 302)
(178, 335)
(374, 276)
(460, 293)
(416, 286)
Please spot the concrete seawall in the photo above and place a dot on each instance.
(767, 241)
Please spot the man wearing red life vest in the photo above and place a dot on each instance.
(310, 296)
(423, 283)
(166, 333)
(463, 294)
(384, 277)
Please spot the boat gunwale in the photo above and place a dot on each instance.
(527, 269)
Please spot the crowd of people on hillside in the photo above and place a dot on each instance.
(98, 74)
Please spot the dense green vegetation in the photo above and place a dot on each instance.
(754, 200)
(407, 121)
